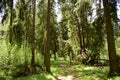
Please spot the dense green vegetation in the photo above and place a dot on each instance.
(59, 40)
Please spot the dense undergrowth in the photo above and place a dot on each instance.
(65, 71)
(60, 68)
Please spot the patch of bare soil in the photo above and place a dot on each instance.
(67, 72)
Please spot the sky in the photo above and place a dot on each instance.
(118, 10)
(58, 12)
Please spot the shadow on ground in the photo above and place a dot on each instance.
(65, 71)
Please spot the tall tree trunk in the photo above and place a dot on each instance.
(10, 31)
(80, 38)
(33, 35)
(11, 20)
(55, 50)
(47, 41)
(110, 40)
(83, 39)
(79, 34)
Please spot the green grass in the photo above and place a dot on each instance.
(63, 69)
(80, 72)
(42, 76)
(114, 78)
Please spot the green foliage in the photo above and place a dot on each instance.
(113, 11)
(17, 34)
(64, 38)
(117, 45)
(114, 78)
(3, 55)
(5, 16)
(97, 42)
(64, 33)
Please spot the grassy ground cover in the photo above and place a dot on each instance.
(62, 70)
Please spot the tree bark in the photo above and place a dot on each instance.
(83, 39)
(110, 40)
(79, 34)
(47, 41)
(11, 20)
(10, 30)
(33, 35)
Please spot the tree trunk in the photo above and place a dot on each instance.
(33, 35)
(83, 39)
(47, 41)
(110, 40)
(54, 49)
(11, 20)
(10, 31)
(79, 34)
(55, 57)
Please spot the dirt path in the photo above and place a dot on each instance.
(67, 72)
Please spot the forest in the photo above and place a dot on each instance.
(59, 39)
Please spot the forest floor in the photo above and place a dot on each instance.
(67, 72)
(63, 70)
